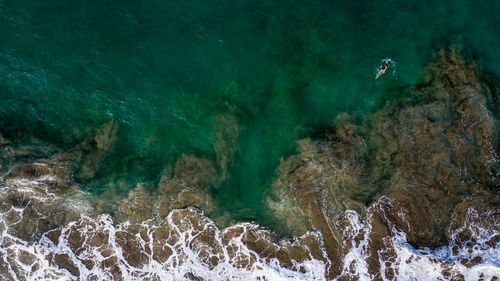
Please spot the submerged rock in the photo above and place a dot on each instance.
(226, 141)
(187, 185)
(437, 152)
(37, 197)
(88, 154)
(319, 184)
(138, 206)
(425, 151)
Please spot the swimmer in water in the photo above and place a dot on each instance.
(382, 70)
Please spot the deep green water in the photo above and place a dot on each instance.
(165, 69)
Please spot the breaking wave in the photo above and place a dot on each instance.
(186, 245)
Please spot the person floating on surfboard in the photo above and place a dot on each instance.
(382, 70)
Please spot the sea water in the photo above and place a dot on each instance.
(165, 70)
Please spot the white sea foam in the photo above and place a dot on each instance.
(184, 260)
(403, 262)
(187, 245)
(192, 239)
(356, 240)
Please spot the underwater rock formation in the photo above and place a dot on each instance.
(88, 154)
(188, 185)
(425, 151)
(226, 141)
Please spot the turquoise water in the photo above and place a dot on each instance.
(164, 71)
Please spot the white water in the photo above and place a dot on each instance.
(190, 255)
(195, 242)
(408, 263)
(184, 259)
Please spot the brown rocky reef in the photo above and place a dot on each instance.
(426, 150)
